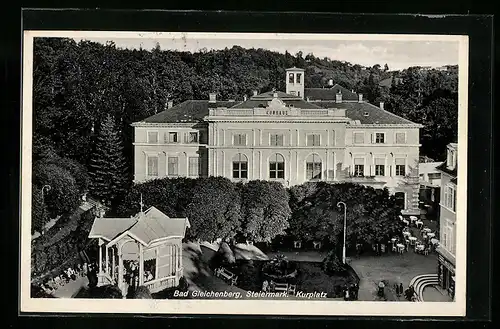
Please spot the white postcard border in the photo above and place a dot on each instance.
(250, 307)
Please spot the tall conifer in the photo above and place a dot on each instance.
(107, 165)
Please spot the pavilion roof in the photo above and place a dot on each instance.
(146, 227)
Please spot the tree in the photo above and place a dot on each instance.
(214, 210)
(169, 195)
(265, 210)
(77, 170)
(107, 166)
(386, 67)
(63, 196)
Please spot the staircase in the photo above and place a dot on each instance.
(420, 282)
(104, 279)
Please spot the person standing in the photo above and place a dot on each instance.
(400, 289)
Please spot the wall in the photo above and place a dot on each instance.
(446, 214)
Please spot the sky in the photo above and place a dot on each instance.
(398, 54)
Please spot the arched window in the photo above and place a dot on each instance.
(240, 166)
(313, 167)
(276, 166)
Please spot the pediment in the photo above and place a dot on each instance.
(276, 104)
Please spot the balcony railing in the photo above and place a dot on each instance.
(287, 111)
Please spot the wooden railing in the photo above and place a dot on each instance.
(162, 283)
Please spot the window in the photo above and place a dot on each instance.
(240, 139)
(173, 166)
(380, 167)
(400, 138)
(359, 137)
(172, 137)
(433, 175)
(313, 167)
(379, 138)
(293, 92)
(313, 140)
(193, 137)
(193, 170)
(359, 167)
(152, 166)
(276, 167)
(400, 166)
(298, 93)
(450, 197)
(299, 77)
(276, 140)
(240, 166)
(290, 78)
(152, 137)
(448, 237)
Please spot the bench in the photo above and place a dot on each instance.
(281, 287)
(226, 274)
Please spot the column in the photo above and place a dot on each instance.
(326, 159)
(100, 256)
(120, 267)
(290, 178)
(223, 163)
(107, 260)
(259, 160)
(215, 163)
(141, 265)
(113, 262)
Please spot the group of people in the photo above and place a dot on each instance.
(268, 286)
(351, 292)
(70, 274)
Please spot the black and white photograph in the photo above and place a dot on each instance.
(244, 173)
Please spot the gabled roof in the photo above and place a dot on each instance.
(109, 228)
(187, 111)
(294, 69)
(146, 227)
(428, 167)
(328, 94)
(444, 168)
(357, 111)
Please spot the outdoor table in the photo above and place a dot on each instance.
(412, 240)
(413, 218)
(407, 233)
(434, 241)
(401, 247)
(431, 235)
(419, 247)
(419, 223)
(393, 240)
(427, 230)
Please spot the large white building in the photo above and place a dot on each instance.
(304, 134)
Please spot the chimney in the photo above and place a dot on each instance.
(338, 97)
(307, 99)
(170, 104)
(244, 98)
(382, 105)
(255, 92)
(330, 82)
(212, 97)
(360, 98)
(275, 94)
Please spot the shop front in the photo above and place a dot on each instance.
(446, 275)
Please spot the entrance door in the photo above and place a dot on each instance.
(400, 199)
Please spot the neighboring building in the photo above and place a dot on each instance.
(429, 173)
(329, 134)
(447, 227)
(147, 246)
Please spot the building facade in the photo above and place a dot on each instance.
(447, 246)
(304, 134)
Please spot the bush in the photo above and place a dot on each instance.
(39, 212)
(142, 292)
(332, 264)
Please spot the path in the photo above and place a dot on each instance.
(393, 268)
(70, 289)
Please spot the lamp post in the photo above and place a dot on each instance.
(345, 228)
(45, 187)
